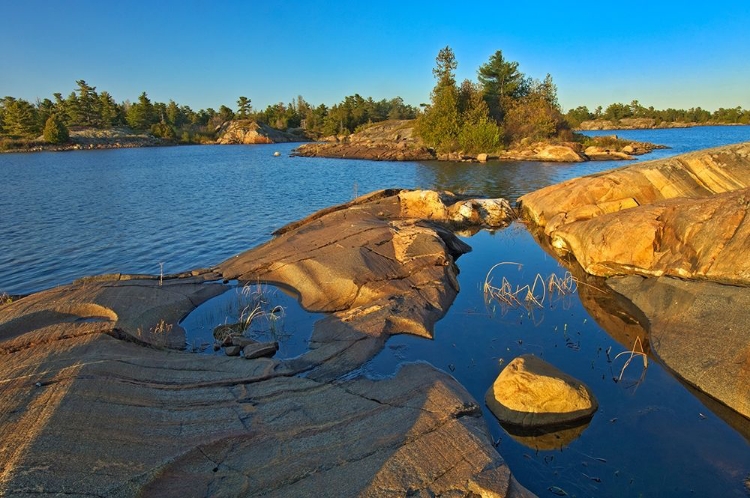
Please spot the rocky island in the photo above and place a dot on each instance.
(397, 141)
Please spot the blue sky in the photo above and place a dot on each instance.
(208, 53)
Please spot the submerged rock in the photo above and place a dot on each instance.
(700, 330)
(232, 350)
(530, 392)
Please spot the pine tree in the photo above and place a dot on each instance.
(140, 115)
(439, 126)
(110, 113)
(88, 104)
(501, 80)
(479, 132)
(243, 108)
(19, 118)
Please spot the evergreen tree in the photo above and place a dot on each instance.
(479, 133)
(548, 90)
(160, 112)
(225, 113)
(140, 116)
(110, 114)
(55, 131)
(439, 125)
(72, 110)
(19, 118)
(60, 106)
(44, 108)
(88, 104)
(243, 108)
(578, 115)
(175, 116)
(501, 80)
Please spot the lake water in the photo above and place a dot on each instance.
(66, 215)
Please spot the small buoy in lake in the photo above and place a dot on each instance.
(277, 153)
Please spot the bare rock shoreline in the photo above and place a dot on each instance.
(672, 237)
(96, 400)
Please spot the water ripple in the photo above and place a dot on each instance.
(66, 215)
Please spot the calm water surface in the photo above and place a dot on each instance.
(66, 215)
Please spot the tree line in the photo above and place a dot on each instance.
(503, 107)
(86, 108)
(617, 111)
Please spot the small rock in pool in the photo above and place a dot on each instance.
(260, 349)
(232, 350)
(530, 392)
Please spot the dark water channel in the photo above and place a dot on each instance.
(65, 215)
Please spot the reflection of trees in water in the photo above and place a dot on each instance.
(509, 180)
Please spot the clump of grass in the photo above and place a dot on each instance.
(5, 299)
(528, 296)
(636, 351)
(158, 335)
(256, 315)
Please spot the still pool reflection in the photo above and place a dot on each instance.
(266, 314)
(650, 436)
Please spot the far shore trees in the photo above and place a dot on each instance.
(617, 111)
(18, 118)
(141, 115)
(502, 107)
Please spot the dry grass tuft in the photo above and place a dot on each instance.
(528, 296)
(636, 351)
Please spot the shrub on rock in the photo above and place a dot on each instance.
(55, 131)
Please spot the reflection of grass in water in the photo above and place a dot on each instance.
(529, 296)
(636, 351)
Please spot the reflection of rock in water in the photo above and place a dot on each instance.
(545, 439)
(627, 312)
(699, 329)
(615, 314)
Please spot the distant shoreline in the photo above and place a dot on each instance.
(122, 138)
(642, 124)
